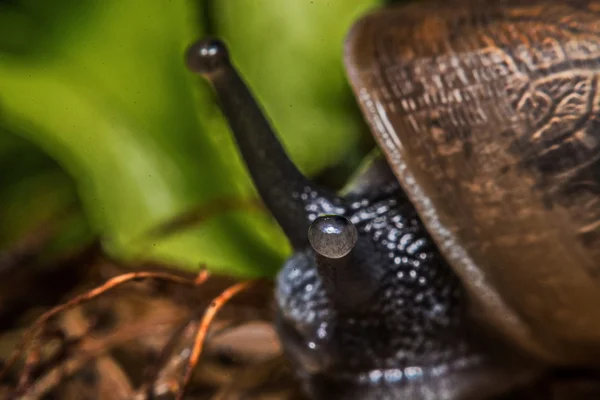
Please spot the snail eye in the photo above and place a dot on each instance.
(207, 56)
(332, 236)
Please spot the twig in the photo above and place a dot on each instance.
(205, 323)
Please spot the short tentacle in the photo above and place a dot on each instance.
(343, 262)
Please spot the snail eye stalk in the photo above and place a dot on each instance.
(277, 179)
(348, 272)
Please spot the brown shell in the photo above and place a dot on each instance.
(489, 114)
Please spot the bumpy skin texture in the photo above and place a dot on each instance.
(488, 113)
(407, 338)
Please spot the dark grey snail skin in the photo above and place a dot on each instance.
(366, 306)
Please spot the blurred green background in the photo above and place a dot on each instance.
(104, 133)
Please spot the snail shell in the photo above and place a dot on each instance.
(489, 115)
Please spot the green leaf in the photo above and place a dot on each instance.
(290, 52)
(102, 88)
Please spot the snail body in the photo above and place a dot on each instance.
(465, 260)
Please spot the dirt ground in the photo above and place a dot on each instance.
(134, 341)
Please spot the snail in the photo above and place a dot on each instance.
(466, 258)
